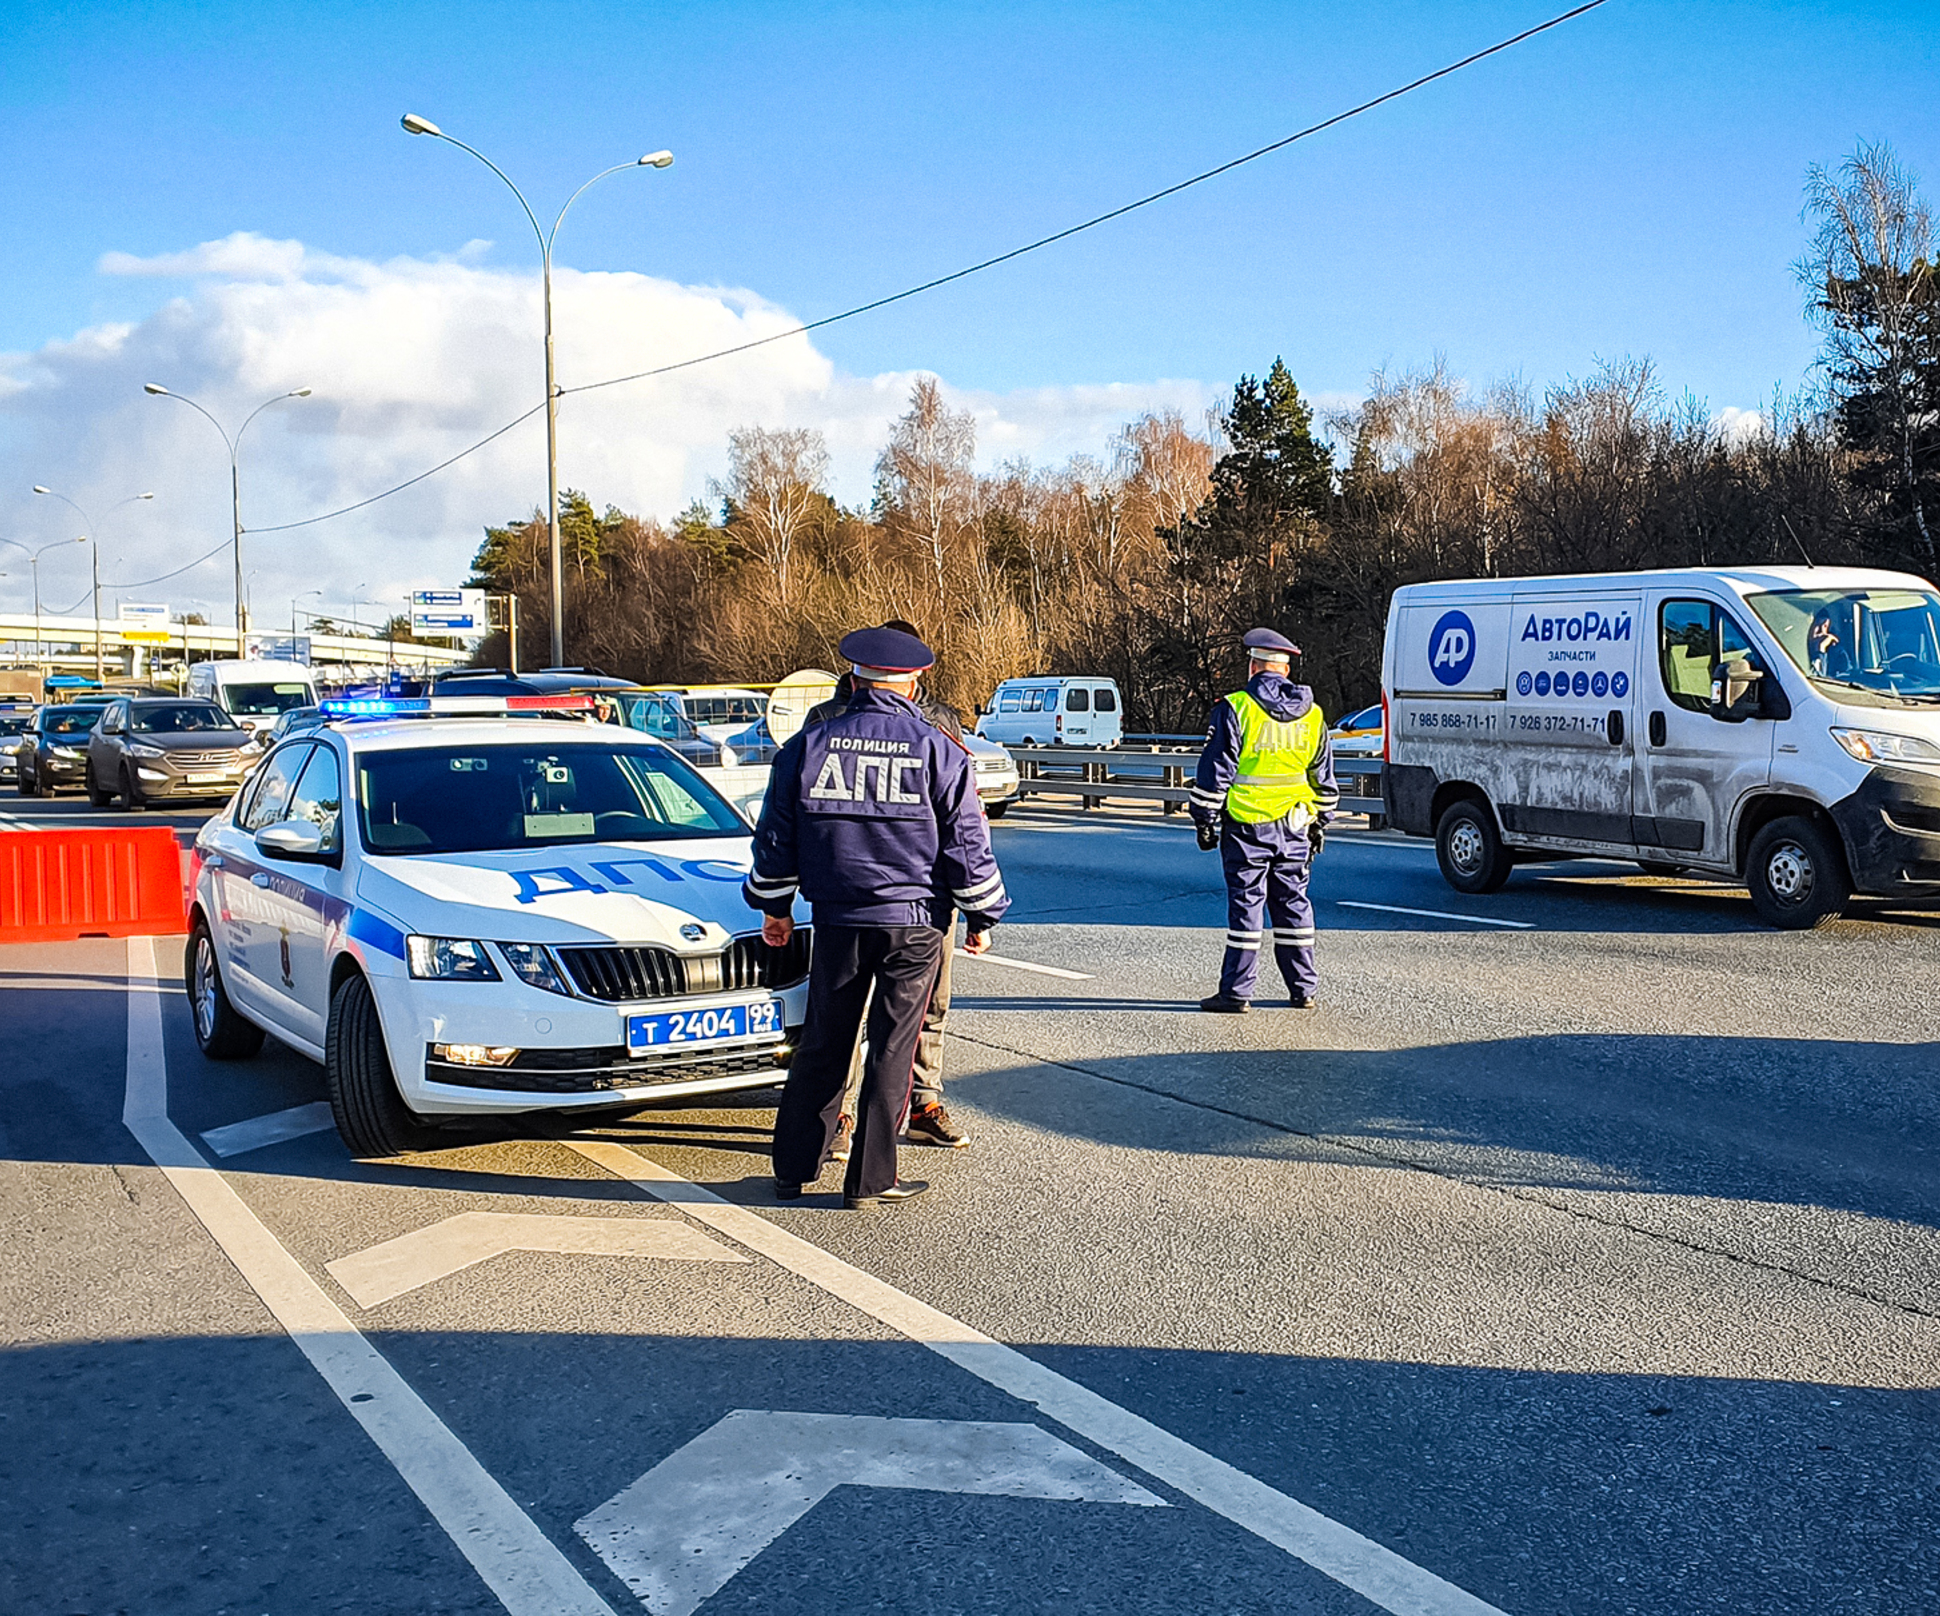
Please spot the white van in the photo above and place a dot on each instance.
(1047, 711)
(254, 693)
(1776, 725)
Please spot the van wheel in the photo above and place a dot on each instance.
(1659, 867)
(370, 1113)
(220, 1033)
(1469, 850)
(1796, 874)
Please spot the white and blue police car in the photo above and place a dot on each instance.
(473, 905)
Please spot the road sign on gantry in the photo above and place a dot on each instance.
(449, 611)
(142, 623)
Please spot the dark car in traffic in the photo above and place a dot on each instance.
(158, 748)
(54, 750)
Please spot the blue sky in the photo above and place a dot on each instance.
(1628, 185)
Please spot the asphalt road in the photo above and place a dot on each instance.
(1586, 1264)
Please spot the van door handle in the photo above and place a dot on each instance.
(259, 879)
(1657, 729)
(1613, 727)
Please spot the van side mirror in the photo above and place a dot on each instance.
(1735, 691)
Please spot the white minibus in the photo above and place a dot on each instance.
(1775, 725)
(254, 693)
(1054, 711)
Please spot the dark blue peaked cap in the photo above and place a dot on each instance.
(1264, 639)
(886, 651)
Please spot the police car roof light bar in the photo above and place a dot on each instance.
(374, 707)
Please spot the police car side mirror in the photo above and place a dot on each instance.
(291, 839)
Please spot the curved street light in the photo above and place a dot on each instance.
(234, 445)
(414, 125)
(293, 600)
(94, 545)
(33, 560)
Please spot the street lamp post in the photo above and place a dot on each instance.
(293, 600)
(415, 125)
(33, 560)
(94, 544)
(234, 445)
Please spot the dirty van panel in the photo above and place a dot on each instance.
(1445, 666)
(1571, 741)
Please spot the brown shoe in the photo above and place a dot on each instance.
(931, 1125)
(844, 1138)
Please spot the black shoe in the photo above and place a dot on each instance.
(1299, 1000)
(784, 1191)
(902, 1190)
(1219, 1004)
(931, 1125)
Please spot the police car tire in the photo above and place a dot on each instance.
(1796, 874)
(1489, 866)
(371, 1115)
(228, 1035)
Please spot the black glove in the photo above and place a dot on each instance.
(1316, 840)
(1208, 837)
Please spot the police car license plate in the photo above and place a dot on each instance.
(722, 1024)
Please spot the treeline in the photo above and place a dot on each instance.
(1147, 565)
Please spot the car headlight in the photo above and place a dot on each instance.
(65, 751)
(1881, 746)
(534, 965)
(449, 959)
(154, 752)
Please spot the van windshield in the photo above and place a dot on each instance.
(1879, 642)
(266, 700)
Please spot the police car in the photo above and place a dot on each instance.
(473, 905)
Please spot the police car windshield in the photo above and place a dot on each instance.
(1884, 642)
(500, 798)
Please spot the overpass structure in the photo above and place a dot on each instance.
(66, 645)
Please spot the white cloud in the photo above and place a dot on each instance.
(1737, 426)
(410, 361)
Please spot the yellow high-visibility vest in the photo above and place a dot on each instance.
(1274, 757)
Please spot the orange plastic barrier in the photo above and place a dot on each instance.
(56, 885)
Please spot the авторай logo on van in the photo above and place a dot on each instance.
(1591, 625)
(1451, 648)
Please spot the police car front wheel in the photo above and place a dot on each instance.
(220, 1032)
(370, 1113)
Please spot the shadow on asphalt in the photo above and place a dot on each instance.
(218, 1472)
(1806, 1122)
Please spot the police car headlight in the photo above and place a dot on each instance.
(1880, 746)
(475, 1054)
(449, 959)
(534, 965)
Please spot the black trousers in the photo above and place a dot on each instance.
(900, 963)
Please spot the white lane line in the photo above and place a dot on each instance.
(1376, 1573)
(234, 1138)
(517, 1561)
(1026, 965)
(393, 1267)
(1437, 914)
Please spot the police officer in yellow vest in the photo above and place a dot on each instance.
(1263, 794)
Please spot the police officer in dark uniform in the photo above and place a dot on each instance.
(873, 817)
(1263, 795)
(929, 1123)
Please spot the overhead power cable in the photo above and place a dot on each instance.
(143, 583)
(977, 268)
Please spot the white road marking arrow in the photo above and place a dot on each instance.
(680, 1533)
(396, 1266)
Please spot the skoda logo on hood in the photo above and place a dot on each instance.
(693, 933)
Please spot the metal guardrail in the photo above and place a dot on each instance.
(1150, 773)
